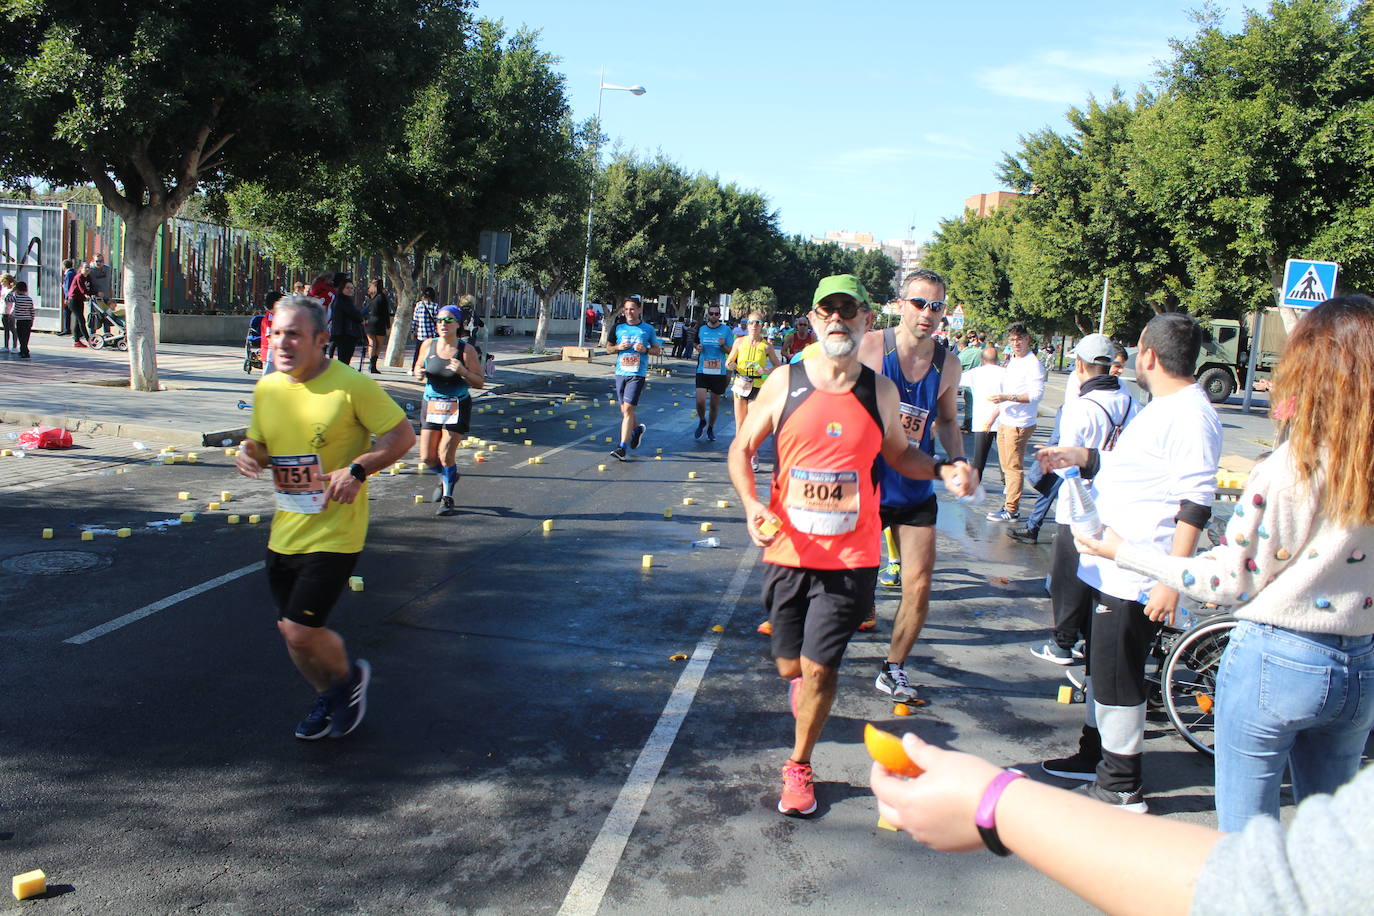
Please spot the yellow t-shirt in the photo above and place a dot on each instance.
(334, 416)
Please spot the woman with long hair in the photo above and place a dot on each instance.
(750, 358)
(345, 321)
(1296, 683)
(450, 368)
(378, 312)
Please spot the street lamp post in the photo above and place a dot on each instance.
(591, 200)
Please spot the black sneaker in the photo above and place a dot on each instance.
(618, 452)
(637, 435)
(1051, 652)
(1133, 801)
(315, 725)
(710, 434)
(1081, 766)
(352, 704)
(447, 508)
(1025, 535)
(701, 428)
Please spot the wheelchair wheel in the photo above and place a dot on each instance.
(1190, 681)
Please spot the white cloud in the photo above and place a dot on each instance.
(1066, 77)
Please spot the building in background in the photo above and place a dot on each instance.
(983, 204)
(905, 253)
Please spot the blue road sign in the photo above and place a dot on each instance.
(1308, 283)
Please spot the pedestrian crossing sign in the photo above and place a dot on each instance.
(1308, 283)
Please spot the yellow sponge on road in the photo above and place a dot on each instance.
(29, 884)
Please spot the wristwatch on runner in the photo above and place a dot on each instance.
(358, 471)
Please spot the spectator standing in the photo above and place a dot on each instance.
(101, 280)
(970, 358)
(1023, 386)
(982, 382)
(677, 333)
(346, 323)
(422, 323)
(78, 294)
(7, 313)
(377, 317)
(68, 271)
(21, 314)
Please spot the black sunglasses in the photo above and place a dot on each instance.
(846, 311)
(934, 306)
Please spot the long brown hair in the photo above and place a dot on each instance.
(1324, 403)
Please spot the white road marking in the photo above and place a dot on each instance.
(563, 448)
(589, 885)
(150, 609)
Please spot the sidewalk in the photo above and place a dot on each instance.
(86, 391)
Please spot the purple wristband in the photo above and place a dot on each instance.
(985, 817)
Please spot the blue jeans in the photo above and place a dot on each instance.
(1284, 697)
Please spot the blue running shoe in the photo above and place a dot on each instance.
(701, 427)
(891, 576)
(315, 725)
(352, 704)
(637, 436)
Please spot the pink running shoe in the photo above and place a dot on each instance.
(798, 793)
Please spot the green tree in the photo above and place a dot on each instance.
(802, 265)
(876, 271)
(480, 140)
(762, 300)
(150, 101)
(1259, 149)
(975, 255)
(553, 227)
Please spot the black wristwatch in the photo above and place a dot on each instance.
(358, 471)
(960, 460)
(940, 465)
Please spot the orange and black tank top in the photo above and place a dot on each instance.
(825, 489)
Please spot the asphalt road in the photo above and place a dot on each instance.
(523, 691)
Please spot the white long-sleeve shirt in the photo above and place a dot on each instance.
(1023, 375)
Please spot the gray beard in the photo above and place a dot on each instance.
(836, 348)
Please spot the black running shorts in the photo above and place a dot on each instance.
(463, 424)
(921, 515)
(816, 611)
(716, 384)
(305, 586)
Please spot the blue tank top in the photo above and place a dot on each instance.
(918, 420)
(441, 382)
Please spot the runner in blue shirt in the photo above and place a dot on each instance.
(635, 342)
(713, 342)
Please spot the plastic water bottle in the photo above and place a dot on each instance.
(707, 542)
(1083, 519)
(976, 498)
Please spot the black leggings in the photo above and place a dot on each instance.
(343, 348)
(10, 334)
(22, 329)
(982, 444)
(1071, 597)
(77, 311)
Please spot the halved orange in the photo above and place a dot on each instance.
(886, 748)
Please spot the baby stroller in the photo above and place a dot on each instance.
(252, 345)
(107, 327)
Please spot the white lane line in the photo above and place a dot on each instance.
(589, 885)
(150, 609)
(563, 448)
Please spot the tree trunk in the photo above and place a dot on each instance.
(404, 271)
(546, 296)
(140, 238)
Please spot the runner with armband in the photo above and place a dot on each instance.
(449, 367)
(312, 427)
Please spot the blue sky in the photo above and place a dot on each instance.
(879, 116)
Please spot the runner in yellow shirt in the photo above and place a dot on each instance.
(312, 426)
(750, 358)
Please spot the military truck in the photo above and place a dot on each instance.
(1225, 355)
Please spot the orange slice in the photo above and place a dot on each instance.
(886, 748)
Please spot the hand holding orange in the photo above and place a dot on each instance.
(886, 748)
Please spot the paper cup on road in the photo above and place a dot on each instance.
(705, 527)
(183, 495)
(548, 525)
(87, 536)
(646, 561)
(225, 496)
(124, 532)
(47, 534)
(233, 519)
(254, 519)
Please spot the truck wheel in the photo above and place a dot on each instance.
(1218, 384)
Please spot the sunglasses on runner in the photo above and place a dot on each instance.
(713, 314)
(846, 311)
(446, 320)
(935, 306)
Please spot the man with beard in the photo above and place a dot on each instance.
(830, 417)
(927, 378)
(713, 342)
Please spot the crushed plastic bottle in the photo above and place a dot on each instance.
(707, 542)
(1083, 518)
(976, 498)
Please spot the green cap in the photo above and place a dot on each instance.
(841, 283)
